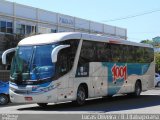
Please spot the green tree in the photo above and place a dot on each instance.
(147, 41)
(157, 61)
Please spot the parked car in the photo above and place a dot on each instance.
(4, 93)
(157, 80)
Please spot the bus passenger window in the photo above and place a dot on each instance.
(62, 62)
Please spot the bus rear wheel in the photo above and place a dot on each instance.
(81, 95)
(137, 90)
(42, 104)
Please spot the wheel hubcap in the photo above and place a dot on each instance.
(2, 100)
(138, 90)
(81, 95)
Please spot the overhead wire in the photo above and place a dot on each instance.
(133, 16)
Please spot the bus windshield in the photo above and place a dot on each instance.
(32, 63)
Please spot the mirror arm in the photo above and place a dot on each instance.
(4, 55)
(55, 52)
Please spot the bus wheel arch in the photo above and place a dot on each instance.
(82, 94)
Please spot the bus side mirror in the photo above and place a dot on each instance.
(5, 54)
(55, 52)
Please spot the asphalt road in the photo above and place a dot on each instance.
(147, 103)
(121, 104)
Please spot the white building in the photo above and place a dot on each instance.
(22, 19)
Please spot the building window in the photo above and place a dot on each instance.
(9, 27)
(6, 27)
(9, 24)
(18, 28)
(34, 29)
(25, 29)
(53, 31)
(3, 26)
(28, 29)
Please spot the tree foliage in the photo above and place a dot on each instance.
(157, 61)
(147, 41)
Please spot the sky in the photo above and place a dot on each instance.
(143, 26)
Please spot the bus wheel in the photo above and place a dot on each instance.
(4, 99)
(158, 84)
(81, 95)
(42, 104)
(138, 89)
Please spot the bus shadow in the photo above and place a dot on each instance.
(103, 105)
(12, 104)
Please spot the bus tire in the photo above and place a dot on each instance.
(158, 84)
(137, 89)
(4, 99)
(81, 96)
(42, 104)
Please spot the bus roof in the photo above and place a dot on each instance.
(42, 39)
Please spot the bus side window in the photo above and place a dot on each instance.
(87, 55)
(102, 52)
(62, 62)
(66, 57)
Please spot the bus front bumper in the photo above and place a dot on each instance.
(47, 97)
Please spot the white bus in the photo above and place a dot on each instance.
(59, 67)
